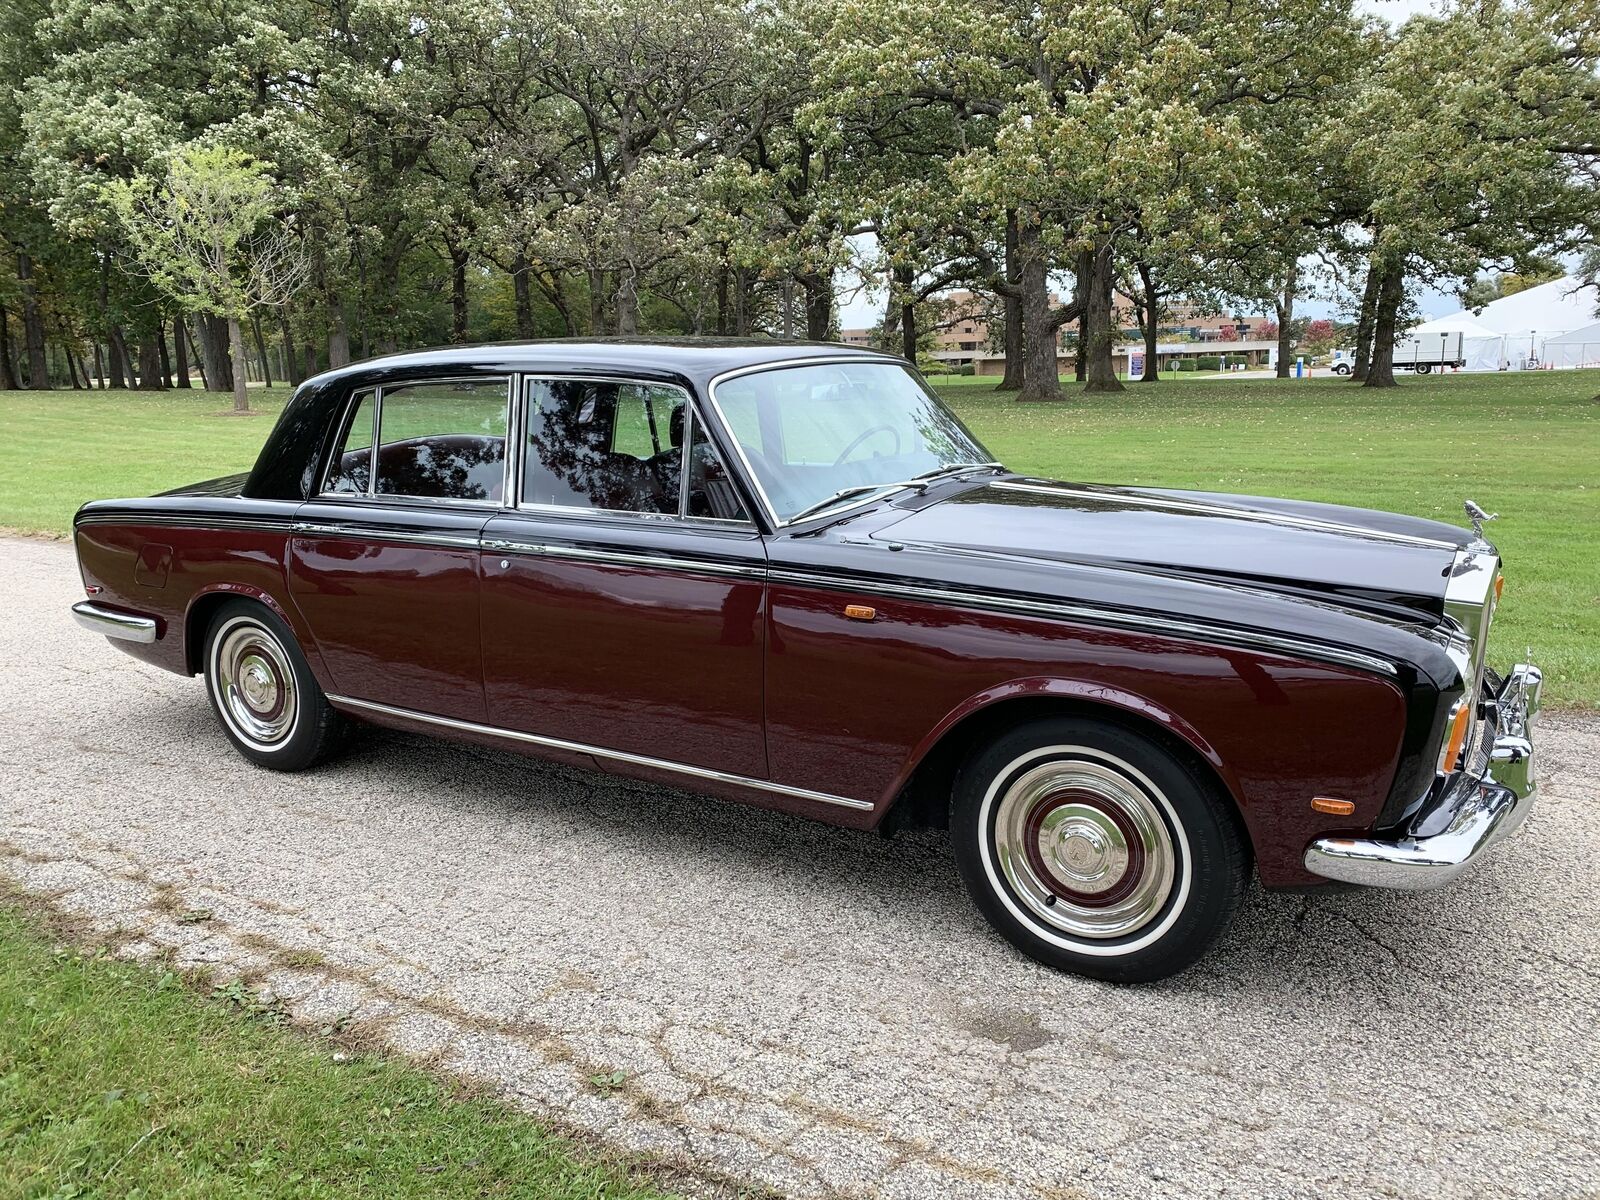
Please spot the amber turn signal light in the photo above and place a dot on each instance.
(1334, 808)
(859, 612)
(1459, 720)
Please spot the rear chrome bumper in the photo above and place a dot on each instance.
(1476, 807)
(127, 627)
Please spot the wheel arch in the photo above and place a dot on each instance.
(202, 611)
(921, 796)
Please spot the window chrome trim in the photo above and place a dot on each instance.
(1115, 618)
(1044, 487)
(622, 756)
(570, 510)
(624, 558)
(767, 506)
(377, 391)
(352, 404)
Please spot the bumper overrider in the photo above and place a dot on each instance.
(1476, 807)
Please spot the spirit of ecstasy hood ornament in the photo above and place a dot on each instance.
(1477, 516)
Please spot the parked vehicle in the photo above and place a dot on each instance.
(786, 574)
(1343, 362)
(1428, 351)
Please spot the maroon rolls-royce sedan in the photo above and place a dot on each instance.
(786, 574)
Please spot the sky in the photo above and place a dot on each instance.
(860, 309)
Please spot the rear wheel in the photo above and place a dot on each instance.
(1424, 368)
(1093, 849)
(263, 691)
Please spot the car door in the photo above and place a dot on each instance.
(624, 589)
(384, 560)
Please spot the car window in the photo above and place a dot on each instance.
(601, 444)
(815, 431)
(443, 441)
(351, 468)
(712, 492)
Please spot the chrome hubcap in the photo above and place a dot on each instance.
(255, 683)
(1084, 848)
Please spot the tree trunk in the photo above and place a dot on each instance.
(72, 360)
(311, 360)
(32, 325)
(212, 338)
(1101, 372)
(1365, 317)
(241, 400)
(723, 307)
(1285, 307)
(458, 295)
(120, 366)
(1080, 357)
(161, 347)
(149, 363)
(197, 344)
(8, 370)
(1392, 290)
(1039, 375)
(291, 362)
(819, 305)
(261, 348)
(338, 335)
(908, 314)
(1150, 324)
(181, 352)
(524, 294)
(627, 303)
(99, 367)
(741, 302)
(1011, 302)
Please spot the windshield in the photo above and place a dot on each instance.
(814, 432)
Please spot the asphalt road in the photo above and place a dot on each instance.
(817, 1011)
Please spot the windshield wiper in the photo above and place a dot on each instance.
(842, 494)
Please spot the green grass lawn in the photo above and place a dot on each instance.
(121, 1080)
(1526, 446)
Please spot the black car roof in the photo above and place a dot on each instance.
(696, 358)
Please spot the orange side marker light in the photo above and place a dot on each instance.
(1334, 808)
(859, 612)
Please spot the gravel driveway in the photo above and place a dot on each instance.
(817, 1011)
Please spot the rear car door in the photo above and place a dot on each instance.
(624, 588)
(384, 560)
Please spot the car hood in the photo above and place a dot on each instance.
(1357, 557)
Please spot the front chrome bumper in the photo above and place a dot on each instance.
(1478, 806)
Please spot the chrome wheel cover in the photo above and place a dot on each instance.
(254, 684)
(1084, 848)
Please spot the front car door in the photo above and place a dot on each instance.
(624, 589)
(384, 561)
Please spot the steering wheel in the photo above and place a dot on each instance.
(863, 436)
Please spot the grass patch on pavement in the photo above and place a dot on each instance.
(121, 1080)
(1526, 445)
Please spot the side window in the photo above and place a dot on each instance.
(351, 467)
(711, 492)
(443, 441)
(598, 444)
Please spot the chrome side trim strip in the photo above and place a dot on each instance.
(623, 558)
(123, 626)
(1201, 508)
(1117, 618)
(637, 760)
(383, 533)
(187, 521)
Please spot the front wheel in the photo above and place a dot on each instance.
(1341, 368)
(1094, 849)
(263, 691)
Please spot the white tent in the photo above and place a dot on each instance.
(1511, 333)
(1579, 348)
